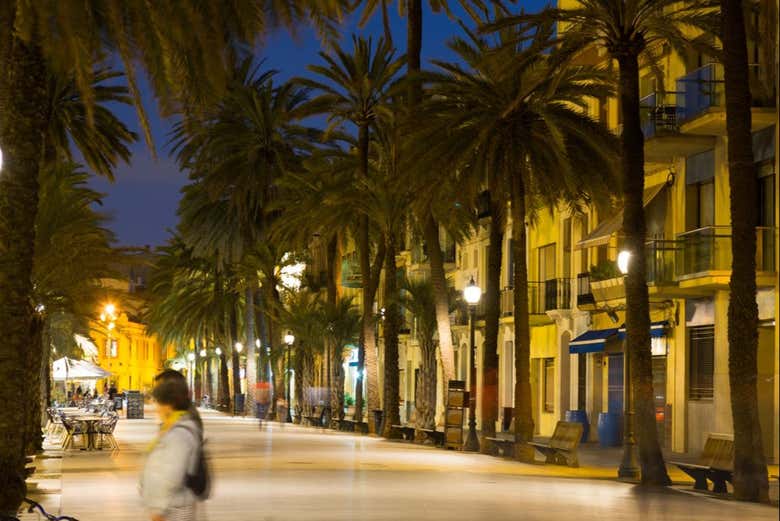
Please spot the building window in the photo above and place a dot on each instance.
(546, 262)
(702, 362)
(567, 249)
(111, 348)
(700, 190)
(549, 384)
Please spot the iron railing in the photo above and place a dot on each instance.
(659, 113)
(542, 297)
(709, 249)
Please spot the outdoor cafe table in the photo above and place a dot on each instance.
(90, 421)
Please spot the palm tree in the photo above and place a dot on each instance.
(341, 326)
(513, 112)
(750, 471)
(236, 152)
(352, 87)
(182, 56)
(418, 298)
(426, 211)
(72, 254)
(629, 31)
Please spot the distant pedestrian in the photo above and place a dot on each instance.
(174, 475)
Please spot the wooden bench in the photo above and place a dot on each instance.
(406, 431)
(437, 437)
(715, 463)
(503, 445)
(317, 417)
(562, 447)
(353, 426)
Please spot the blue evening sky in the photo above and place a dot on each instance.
(144, 197)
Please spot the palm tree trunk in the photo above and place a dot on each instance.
(223, 389)
(524, 422)
(441, 297)
(489, 395)
(209, 380)
(390, 329)
(23, 98)
(251, 361)
(750, 471)
(637, 305)
(34, 427)
(333, 354)
(425, 401)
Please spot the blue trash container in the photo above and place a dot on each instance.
(579, 416)
(609, 429)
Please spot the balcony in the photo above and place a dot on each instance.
(585, 298)
(660, 118)
(350, 271)
(706, 252)
(659, 113)
(542, 297)
(660, 261)
(701, 100)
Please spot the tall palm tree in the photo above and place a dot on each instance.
(236, 151)
(183, 57)
(426, 211)
(631, 31)
(750, 471)
(341, 326)
(418, 298)
(513, 112)
(352, 87)
(72, 254)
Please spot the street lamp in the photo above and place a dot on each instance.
(289, 339)
(472, 294)
(629, 468)
(239, 347)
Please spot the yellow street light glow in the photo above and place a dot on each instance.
(472, 293)
(203, 352)
(218, 351)
(239, 347)
(289, 339)
(191, 356)
(622, 261)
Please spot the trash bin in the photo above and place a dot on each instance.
(238, 403)
(378, 416)
(609, 429)
(580, 416)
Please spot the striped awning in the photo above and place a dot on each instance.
(657, 330)
(592, 341)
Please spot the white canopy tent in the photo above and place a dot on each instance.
(69, 369)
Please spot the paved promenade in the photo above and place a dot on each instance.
(294, 473)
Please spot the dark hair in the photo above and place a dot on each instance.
(171, 389)
(170, 374)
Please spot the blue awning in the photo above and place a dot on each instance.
(657, 330)
(591, 341)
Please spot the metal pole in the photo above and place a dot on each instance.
(629, 469)
(289, 416)
(472, 441)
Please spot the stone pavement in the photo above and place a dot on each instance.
(286, 472)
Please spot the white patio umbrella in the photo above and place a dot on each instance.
(69, 369)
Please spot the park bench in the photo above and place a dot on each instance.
(502, 444)
(715, 463)
(562, 447)
(407, 431)
(437, 437)
(353, 426)
(317, 416)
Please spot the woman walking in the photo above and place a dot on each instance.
(174, 455)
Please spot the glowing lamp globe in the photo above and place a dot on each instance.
(289, 338)
(622, 261)
(472, 293)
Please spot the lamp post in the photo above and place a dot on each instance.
(471, 294)
(629, 468)
(288, 339)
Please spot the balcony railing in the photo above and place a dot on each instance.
(584, 293)
(660, 261)
(542, 297)
(704, 88)
(709, 249)
(660, 113)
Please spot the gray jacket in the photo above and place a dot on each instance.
(163, 489)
